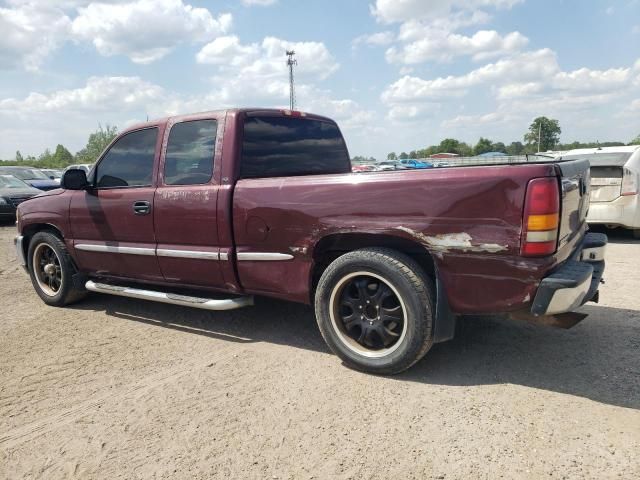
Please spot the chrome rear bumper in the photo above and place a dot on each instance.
(575, 282)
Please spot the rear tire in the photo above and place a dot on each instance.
(374, 308)
(636, 233)
(51, 270)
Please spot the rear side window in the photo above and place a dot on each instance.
(286, 146)
(129, 162)
(189, 157)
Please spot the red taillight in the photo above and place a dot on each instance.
(541, 218)
(629, 183)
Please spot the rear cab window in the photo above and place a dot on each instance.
(279, 146)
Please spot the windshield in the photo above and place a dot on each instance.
(26, 174)
(9, 181)
(37, 174)
(617, 159)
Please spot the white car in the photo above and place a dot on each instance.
(615, 185)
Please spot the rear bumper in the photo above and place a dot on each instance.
(575, 282)
(623, 211)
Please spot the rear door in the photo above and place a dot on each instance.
(186, 201)
(112, 223)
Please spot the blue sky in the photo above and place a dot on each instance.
(396, 74)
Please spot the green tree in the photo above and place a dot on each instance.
(19, 157)
(96, 144)
(451, 145)
(498, 147)
(413, 154)
(62, 157)
(515, 148)
(404, 156)
(45, 159)
(635, 141)
(484, 145)
(392, 156)
(544, 133)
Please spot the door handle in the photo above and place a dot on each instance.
(141, 207)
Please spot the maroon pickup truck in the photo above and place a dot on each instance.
(263, 202)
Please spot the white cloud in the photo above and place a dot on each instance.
(376, 39)
(67, 116)
(259, 3)
(428, 30)
(518, 68)
(228, 51)
(521, 85)
(29, 34)
(146, 30)
(390, 11)
(266, 61)
(99, 93)
(441, 45)
(242, 67)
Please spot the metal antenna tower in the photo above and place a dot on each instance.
(292, 91)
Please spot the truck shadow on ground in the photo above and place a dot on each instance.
(598, 359)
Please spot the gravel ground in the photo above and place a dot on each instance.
(119, 388)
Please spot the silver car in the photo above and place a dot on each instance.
(615, 185)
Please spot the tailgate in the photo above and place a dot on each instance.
(575, 191)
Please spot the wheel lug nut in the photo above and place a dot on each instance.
(362, 317)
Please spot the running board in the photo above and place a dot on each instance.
(172, 298)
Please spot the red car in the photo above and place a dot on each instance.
(263, 202)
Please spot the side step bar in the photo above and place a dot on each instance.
(172, 298)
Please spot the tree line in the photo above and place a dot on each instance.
(62, 157)
(543, 135)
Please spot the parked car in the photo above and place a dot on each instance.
(31, 176)
(362, 168)
(13, 192)
(263, 202)
(411, 163)
(53, 174)
(615, 185)
(389, 165)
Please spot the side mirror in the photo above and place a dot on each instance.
(74, 179)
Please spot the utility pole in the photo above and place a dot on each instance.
(292, 92)
(539, 134)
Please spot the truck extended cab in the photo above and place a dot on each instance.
(263, 202)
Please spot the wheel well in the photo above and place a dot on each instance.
(30, 230)
(333, 246)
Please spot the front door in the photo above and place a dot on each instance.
(186, 201)
(112, 222)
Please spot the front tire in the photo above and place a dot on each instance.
(374, 308)
(51, 270)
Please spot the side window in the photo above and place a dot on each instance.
(189, 157)
(286, 146)
(129, 162)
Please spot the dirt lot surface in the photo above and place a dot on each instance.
(119, 388)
